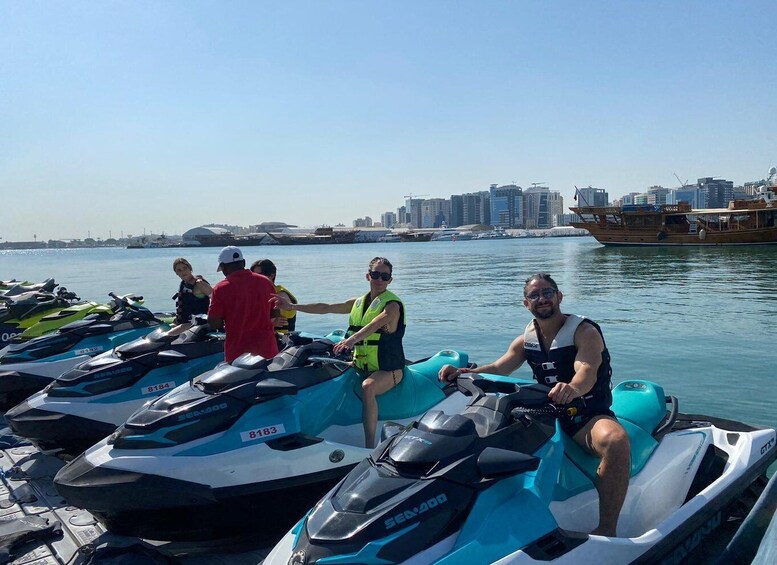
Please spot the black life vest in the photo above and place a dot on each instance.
(558, 363)
(187, 304)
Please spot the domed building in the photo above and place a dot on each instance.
(207, 236)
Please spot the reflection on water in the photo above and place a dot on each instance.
(700, 321)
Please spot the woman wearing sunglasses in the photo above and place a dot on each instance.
(375, 329)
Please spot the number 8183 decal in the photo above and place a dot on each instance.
(263, 432)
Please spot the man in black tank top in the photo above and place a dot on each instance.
(568, 353)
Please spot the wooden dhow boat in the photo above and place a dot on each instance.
(743, 222)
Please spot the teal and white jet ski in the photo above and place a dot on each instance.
(88, 402)
(20, 374)
(501, 483)
(245, 448)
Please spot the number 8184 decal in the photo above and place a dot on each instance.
(263, 432)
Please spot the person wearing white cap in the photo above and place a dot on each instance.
(240, 305)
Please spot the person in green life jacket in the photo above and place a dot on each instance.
(284, 320)
(375, 330)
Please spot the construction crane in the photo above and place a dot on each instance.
(682, 184)
(411, 196)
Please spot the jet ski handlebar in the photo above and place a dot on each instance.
(525, 399)
(470, 384)
(65, 294)
(343, 358)
(125, 301)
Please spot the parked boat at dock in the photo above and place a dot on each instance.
(743, 222)
(322, 235)
(415, 236)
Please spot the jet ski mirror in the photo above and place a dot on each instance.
(169, 357)
(466, 386)
(495, 462)
(267, 388)
(389, 430)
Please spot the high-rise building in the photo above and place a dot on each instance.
(506, 206)
(629, 198)
(365, 222)
(476, 208)
(415, 216)
(536, 207)
(657, 195)
(388, 219)
(688, 193)
(591, 196)
(717, 192)
(435, 212)
(457, 211)
(556, 207)
(402, 216)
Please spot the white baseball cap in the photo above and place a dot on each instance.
(230, 254)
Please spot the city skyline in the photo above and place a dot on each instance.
(165, 116)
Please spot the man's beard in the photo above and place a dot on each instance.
(545, 313)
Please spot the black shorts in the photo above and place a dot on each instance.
(573, 425)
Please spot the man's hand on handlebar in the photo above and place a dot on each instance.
(449, 373)
(563, 393)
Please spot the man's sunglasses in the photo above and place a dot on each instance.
(375, 275)
(546, 293)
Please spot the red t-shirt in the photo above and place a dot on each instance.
(242, 300)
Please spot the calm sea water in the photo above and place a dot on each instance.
(698, 321)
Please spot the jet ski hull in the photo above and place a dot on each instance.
(56, 432)
(65, 424)
(268, 484)
(20, 380)
(191, 510)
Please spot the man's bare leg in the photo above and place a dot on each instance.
(605, 437)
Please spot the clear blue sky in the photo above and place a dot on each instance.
(166, 115)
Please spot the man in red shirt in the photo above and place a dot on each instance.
(240, 304)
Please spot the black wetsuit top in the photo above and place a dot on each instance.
(188, 305)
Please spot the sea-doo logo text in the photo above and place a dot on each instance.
(695, 455)
(88, 350)
(769, 444)
(203, 412)
(419, 439)
(115, 372)
(8, 336)
(680, 554)
(534, 346)
(416, 511)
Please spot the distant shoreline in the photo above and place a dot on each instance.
(30, 245)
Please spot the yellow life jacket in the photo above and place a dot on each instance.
(381, 350)
(290, 315)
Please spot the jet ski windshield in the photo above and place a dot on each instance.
(298, 363)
